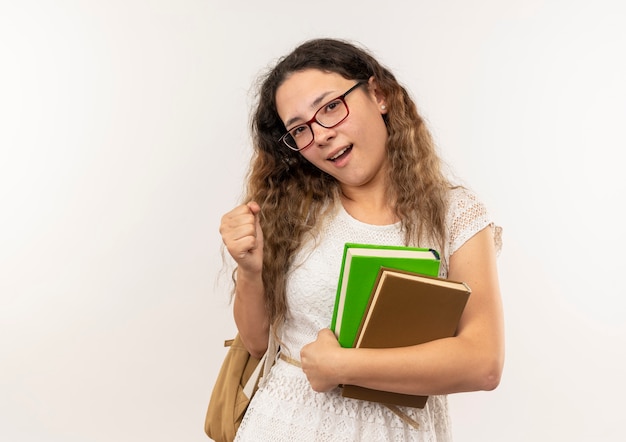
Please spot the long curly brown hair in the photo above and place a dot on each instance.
(293, 193)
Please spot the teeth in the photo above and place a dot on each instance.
(341, 152)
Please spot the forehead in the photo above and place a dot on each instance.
(304, 91)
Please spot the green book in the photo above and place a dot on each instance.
(359, 270)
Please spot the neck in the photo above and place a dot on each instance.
(369, 207)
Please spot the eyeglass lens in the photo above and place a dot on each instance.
(328, 116)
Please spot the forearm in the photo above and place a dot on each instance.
(440, 367)
(250, 312)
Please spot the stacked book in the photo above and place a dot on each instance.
(390, 296)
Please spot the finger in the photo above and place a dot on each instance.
(236, 219)
(240, 249)
(239, 235)
(254, 207)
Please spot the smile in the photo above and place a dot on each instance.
(340, 153)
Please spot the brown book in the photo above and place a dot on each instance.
(407, 309)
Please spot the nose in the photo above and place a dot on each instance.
(322, 135)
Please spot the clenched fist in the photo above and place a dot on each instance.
(242, 235)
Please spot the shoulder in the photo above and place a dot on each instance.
(464, 205)
(460, 197)
(466, 216)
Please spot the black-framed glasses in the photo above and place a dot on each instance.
(328, 116)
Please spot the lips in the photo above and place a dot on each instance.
(340, 153)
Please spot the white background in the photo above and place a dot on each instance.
(124, 137)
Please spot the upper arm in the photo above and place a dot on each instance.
(475, 264)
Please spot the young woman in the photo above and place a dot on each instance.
(342, 155)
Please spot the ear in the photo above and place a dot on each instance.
(377, 95)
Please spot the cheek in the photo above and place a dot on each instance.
(309, 154)
(372, 123)
(375, 131)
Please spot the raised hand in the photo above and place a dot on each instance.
(242, 235)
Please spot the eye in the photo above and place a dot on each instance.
(299, 130)
(332, 106)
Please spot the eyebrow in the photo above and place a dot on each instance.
(314, 105)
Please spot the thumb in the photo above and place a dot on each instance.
(255, 209)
